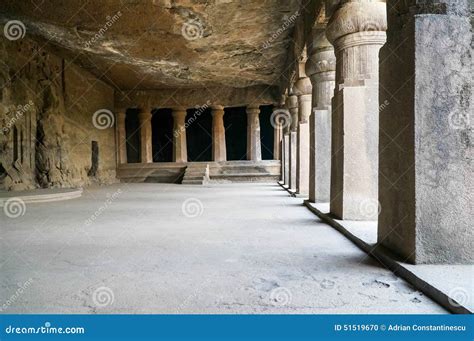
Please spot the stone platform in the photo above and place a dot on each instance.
(449, 285)
(221, 172)
(41, 195)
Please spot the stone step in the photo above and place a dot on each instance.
(194, 177)
(196, 174)
(192, 182)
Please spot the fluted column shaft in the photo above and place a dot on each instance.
(357, 31)
(121, 137)
(180, 151)
(146, 152)
(254, 149)
(219, 152)
(320, 67)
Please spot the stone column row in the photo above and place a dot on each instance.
(219, 153)
(416, 182)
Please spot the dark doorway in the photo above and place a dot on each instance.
(199, 134)
(94, 159)
(132, 130)
(162, 135)
(266, 132)
(15, 144)
(235, 122)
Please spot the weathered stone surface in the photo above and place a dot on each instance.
(165, 43)
(426, 183)
(286, 159)
(190, 98)
(357, 31)
(47, 106)
(320, 67)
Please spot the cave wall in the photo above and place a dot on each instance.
(46, 121)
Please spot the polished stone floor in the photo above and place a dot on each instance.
(158, 248)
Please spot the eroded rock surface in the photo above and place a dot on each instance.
(166, 43)
(46, 111)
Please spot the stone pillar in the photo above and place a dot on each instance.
(320, 67)
(286, 153)
(254, 150)
(219, 152)
(180, 151)
(283, 155)
(293, 149)
(357, 31)
(121, 137)
(277, 140)
(146, 152)
(425, 157)
(303, 90)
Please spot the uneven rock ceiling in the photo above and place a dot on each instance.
(144, 46)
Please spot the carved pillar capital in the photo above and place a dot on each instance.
(357, 17)
(217, 110)
(357, 31)
(179, 112)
